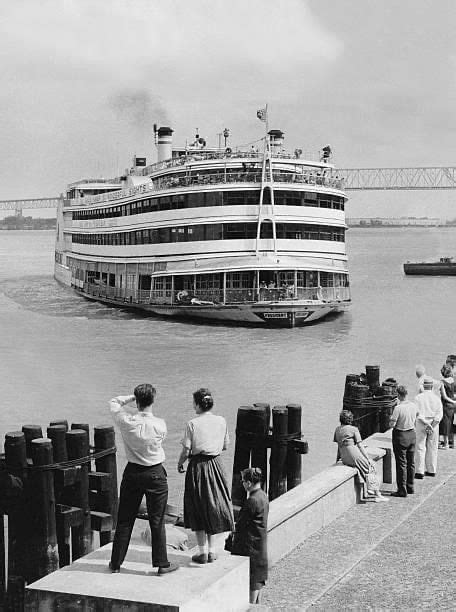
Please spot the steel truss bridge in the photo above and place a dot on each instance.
(355, 179)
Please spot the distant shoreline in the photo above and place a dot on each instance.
(406, 225)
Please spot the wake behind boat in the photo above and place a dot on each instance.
(252, 235)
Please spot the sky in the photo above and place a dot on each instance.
(82, 82)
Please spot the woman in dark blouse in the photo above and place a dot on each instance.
(250, 535)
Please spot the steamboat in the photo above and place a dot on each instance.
(252, 234)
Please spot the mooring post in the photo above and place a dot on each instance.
(16, 464)
(42, 541)
(104, 438)
(31, 432)
(2, 561)
(57, 435)
(294, 460)
(241, 455)
(14, 599)
(278, 460)
(259, 456)
(85, 427)
(63, 422)
(77, 448)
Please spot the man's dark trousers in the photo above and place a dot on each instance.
(404, 453)
(137, 481)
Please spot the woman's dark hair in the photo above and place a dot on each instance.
(145, 395)
(203, 398)
(446, 370)
(252, 475)
(346, 417)
(402, 392)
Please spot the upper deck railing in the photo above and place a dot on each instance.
(227, 155)
(177, 182)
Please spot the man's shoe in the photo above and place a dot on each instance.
(114, 570)
(419, 476)
(410, 491)
(398, 494)
(211, 557)
(429, 473)
(201, 558)
(167, 569)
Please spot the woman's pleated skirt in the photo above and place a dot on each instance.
(207, 500)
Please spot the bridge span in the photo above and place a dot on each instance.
(435, 177)
(29, 203)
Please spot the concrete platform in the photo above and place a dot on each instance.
(88, 586)
(397, 555)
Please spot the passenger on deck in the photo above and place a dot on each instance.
(143, 435)
(430, 414)
(351, 451)
(207, 501)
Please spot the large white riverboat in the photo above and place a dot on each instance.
(254, 236)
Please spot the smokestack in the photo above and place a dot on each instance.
(165, 143)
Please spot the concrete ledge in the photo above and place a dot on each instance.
(88, 585)
(315, 503)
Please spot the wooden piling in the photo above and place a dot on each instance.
(61, 422)
(42, 540)
(78, 447)
(16, 464)
(85, 427)
(57, 434)
(241, 455)
(31, 432)
(15, 454)
(278, 459)
(259, 456)
(2, 562)
(105, 438)
(294, 460)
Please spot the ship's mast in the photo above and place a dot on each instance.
(266, 213)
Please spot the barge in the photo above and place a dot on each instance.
(248, 235)
(444, 267)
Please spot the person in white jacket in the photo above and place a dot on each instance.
(430, 414)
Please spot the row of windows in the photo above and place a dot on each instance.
(220, 198)
(214, 231)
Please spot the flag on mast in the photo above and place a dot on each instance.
(262, 114)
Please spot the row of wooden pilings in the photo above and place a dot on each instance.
(255, 435)
(54, 501)
(371, 402)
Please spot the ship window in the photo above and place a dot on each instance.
(266, 230)
(196, 200)
(164, 234)
(213, 231)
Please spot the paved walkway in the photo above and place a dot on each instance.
(397, 555)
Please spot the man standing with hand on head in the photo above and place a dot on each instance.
(143, 435)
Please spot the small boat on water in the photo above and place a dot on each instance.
(444, 267)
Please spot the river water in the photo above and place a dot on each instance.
(63, 357)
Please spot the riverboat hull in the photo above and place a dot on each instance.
(270, 314)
